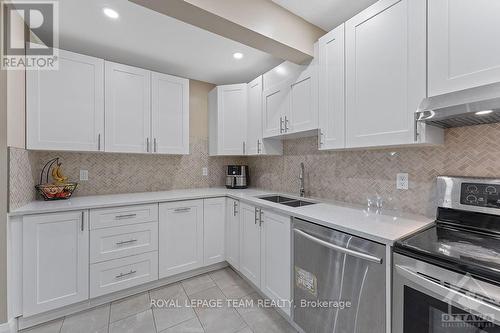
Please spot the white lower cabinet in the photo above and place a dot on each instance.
(55, 261)
(233, 232)
(181, 237)
(275, 257)
(214, 213)
(250, 243)
(114, 275)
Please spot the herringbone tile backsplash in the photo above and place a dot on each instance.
(352, 176)
(349, 176)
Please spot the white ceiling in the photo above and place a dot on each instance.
(326, 14)
(147, 39)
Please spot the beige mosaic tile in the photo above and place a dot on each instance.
(352, 176)
(349, 176)
(119, 173)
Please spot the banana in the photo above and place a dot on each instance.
(57, 175)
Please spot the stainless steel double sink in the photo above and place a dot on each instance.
(292, 202)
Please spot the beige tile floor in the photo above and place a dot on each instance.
(135, 314)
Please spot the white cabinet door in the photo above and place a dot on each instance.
(255, 145)
(303, 112)
(128, 111)
(332, 89)
(233, 232)
(214, 225)
(170, 114)
(180, 237)
(385, 72)
(55, 261)
(65, 107)
(464, 51)
(232, 114)
(249, 244)
(275, 103)
(276, 257)
(254, 117)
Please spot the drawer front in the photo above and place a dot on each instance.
(117, 216)
(114, 275)
(123, 241)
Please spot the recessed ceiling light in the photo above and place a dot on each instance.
(238, 55)
(482, 113)
(111, 13)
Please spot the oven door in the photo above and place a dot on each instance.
(430, 299)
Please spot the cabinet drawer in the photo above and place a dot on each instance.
(123, 241)
(116, 216)
(114, 275)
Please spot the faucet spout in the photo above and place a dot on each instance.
(302, 191)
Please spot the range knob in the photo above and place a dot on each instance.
(472, 189)
(471, 198)
(491, 190)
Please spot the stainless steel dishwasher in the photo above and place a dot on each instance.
(330, 269)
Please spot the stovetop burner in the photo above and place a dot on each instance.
(466, 237)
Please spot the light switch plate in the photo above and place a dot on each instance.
(84, 175)
(204, 171)
(402, 181)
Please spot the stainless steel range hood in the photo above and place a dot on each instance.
(480, 105)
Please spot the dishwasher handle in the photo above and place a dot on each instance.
(341, 249)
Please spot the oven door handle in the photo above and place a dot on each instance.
(337, 248)
(450, 295)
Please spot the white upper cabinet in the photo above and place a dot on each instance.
(170, 114)
(65, 107)
(332, 89)
(464, 50)
(290, 99)
(55, 261)
(303, 112)
(385, 72)
(128, 109)
(275, 104)
(227, 115)
(255, 145)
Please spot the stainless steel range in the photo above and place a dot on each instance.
(447, 278)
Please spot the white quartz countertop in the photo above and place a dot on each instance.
(385, 227)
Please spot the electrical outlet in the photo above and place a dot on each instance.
(84, 175)
(204, 171)
(402, 181)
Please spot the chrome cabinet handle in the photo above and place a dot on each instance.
(256, 215)
(235, 204)
(340, 249)
(125, 274)
(415, 138)
(182, 210)
(286, 124)
(155, 145)
(147, 145)
(321, 134)
(259, 149)
(281, 124)
(127, 216)
(244, 147)
(99, 141)
(82, 224)
(126, 242)
(260, 217)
